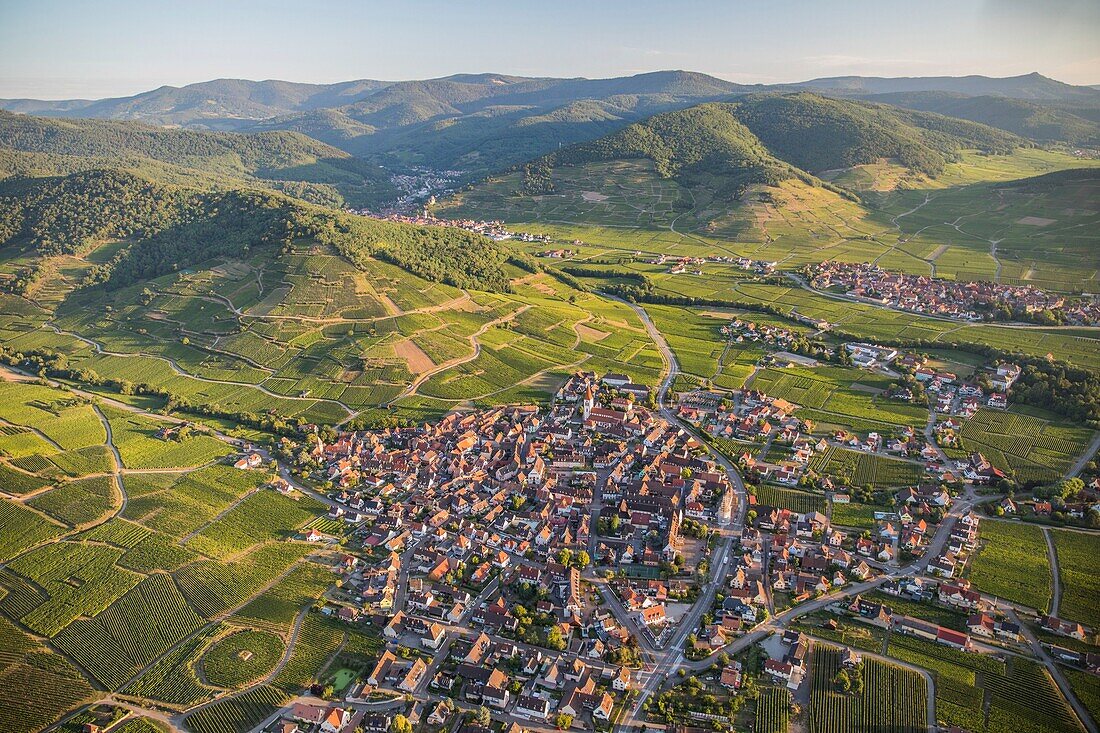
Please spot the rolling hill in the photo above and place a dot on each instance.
(772, 137)
(1045, 123)
(1033, 86)
(281, 160)
(482, 123)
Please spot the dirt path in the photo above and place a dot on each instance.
(1052, 555)
(184, 373)
(425, 376)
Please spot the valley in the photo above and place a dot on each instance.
(675, 403)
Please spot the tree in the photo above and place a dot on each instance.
(565, 556)
(481, 717)
(582, 560)
(563, 721)
(400, 724)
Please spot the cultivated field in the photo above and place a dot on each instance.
(1012, 564)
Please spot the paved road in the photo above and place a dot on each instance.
(1085, 457)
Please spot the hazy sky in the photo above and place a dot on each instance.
(95, 48)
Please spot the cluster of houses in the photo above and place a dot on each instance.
(952, 396)
(739, 332)
(956, 552)
(457, 523)
(969, 301)
(680, 265)
(494, 230)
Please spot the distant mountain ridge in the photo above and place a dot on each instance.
(1033, 86)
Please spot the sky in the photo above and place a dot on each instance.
(55, 49)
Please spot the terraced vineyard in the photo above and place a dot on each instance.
(1031, 448)
(893, 700)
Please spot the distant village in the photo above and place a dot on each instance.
(968, 301)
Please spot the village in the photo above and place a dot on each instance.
(967, 301)
(528, 564)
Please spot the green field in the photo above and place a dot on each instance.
(773, 711)
(797, 501)
(1022, 696)
(1077, 554)
(1012, 564)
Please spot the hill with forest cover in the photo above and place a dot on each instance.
(768, 138)
(818, 133)
(171, 228)
(1040, 122)
(1033, 86)
(278, 159)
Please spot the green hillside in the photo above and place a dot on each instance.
(816, 133)
(287, 161)
(725, 147)
(1041, 122)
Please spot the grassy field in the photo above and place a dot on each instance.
(1012, 564)
(1077, 554)
(1031, 448)
(854, 514)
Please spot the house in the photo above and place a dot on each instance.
(532, 708)
(336, 719)
(731, 676)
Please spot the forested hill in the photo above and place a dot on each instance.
(172, 227)
(1042, 122)
(818, 133)
(702, 141)
(770, 137)
(30, 145)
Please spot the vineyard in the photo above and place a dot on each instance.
(852, 514)
(1012, 563)
(78, 502)
(237, 714)
(259, 517)
(21, 528)
(1077, 555)
(865, 469)
(1030, 447)
(241, 657)
(1022, 698)
(893, 700)
(79, 580)
(135, 437)
(773, 710)
(39, 685)
(135, 630)
(212, 587)
(317, 641)
(797, 501)
(171, 679)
